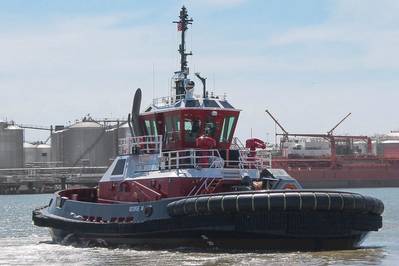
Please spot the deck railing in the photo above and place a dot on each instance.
(187, 158)
(145, 144)
(169, 101)
(191, 158)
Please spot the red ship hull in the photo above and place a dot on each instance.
(347, 174)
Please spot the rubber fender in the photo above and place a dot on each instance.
(277, 201)
(215, 204)
(293, 201)
(360, 202)
(244, 202)
(171, 208)
(261, 202)
(189, 205)
(201, 205)
(229, 203)
(336, 202)
(308, 200)
(380, 206)
(178, 209)
(322, 201)
(349, 202)
(372, 204)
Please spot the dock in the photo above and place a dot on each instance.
(47, 180)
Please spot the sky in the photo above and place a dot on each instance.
(309, 62)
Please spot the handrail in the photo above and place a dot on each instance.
(147, 143)
(237, 144)
(169, 101)
(194, 158)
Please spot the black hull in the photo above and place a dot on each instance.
(275, 230)
(211, 240)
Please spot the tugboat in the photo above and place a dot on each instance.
(182, 179)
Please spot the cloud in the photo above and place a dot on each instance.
(368, 30)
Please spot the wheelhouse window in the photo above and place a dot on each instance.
(191, 129)
(211, 103)
(151, 127)
(210, 128)
(228, 124)
(192, 103)
(119, 167)
(226, 104)
(172, 127)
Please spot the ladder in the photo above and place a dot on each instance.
(205, 186)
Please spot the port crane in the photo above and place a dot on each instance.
(333, 139)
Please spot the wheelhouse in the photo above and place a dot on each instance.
(182, 122)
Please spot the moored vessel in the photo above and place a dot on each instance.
(338, 161)
(182, 180)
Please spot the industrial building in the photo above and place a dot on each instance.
(95, 143)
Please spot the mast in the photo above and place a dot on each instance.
(182, 25)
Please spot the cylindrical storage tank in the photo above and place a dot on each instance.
(124, 131)
(112, 138)
(57, 147)
(11, 146)
(37, 153)
(84, 144)
(390, 148)
(29, 152)
(110, 142)
(43, 153)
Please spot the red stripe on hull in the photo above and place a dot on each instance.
(153, 189)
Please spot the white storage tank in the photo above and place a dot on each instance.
(57, 147)
(83, 143)
(124, 131)
(113, 135)
(11, 146)
(29, 152)
(37, 153)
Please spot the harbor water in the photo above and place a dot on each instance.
(21, 243)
